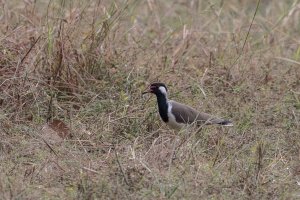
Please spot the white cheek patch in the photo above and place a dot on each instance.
(163, 90)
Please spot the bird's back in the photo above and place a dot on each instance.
(187, 115)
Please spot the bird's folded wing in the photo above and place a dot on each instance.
(187, 115)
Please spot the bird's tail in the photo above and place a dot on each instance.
(226, 123)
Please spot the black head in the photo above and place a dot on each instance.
(157, 88)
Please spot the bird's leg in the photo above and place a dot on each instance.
(185, 138)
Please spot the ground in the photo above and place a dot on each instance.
(74, 124)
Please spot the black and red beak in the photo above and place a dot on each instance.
(149, 90)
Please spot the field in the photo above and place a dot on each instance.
(74, 125)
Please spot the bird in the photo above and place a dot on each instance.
(177, 115)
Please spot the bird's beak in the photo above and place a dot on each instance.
(149, 90)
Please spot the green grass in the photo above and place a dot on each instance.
(86, 64)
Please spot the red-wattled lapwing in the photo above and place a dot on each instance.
(176, 115)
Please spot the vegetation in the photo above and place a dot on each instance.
(74, 125)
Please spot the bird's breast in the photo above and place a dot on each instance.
(172, 120)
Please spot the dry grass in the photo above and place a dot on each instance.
(85, 63)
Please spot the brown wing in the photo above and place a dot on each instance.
(186, 114)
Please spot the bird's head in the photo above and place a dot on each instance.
(157, 88)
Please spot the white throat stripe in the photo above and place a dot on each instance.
(163, 90)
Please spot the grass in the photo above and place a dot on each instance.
(73, 123)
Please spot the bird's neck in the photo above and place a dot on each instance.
(162, 101)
